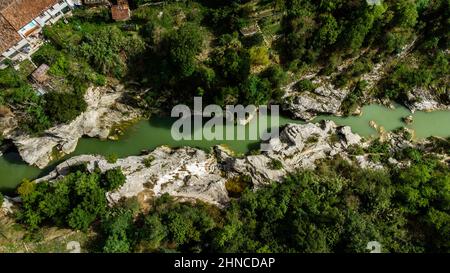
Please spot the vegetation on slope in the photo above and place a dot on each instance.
(75, 201)
(336, 208)
(233, 52)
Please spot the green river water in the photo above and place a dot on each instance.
(149, 134)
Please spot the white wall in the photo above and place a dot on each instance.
(74, 2)
(53, 11)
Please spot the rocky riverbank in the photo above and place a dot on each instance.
(104, 112)
(193, 174)
(327, 98)
(190, 173)
(421, 99)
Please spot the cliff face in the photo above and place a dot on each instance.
(103, 112)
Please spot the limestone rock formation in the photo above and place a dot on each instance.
(191, 173)
(103, 112)
(324, 99)
(186, 173)
(421, 99)
(298, 146)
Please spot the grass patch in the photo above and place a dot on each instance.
(236, 185)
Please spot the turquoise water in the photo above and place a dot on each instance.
(149, 134)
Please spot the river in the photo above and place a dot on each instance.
(149, 134)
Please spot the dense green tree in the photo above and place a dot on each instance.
(75, 201)
(9, 78)
(363, 23)
(154, 232)
(276, 76)
(232, 64)
(116, 243)
(64, 107)
(184, 45)
(116, 225)
(329, 30)
(256, 91)
(113, 179)
(103, 50)
(80, 219)
(406, 11)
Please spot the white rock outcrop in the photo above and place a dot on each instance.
(186, 173)
(324, 99)
(103, 112)
(421, 99)
(191, 173)
(298, 147)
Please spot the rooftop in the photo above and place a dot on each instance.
(5, 3)
(95, 2)
(121, 11)
(21, 12)
(40, 74)
(8, 34)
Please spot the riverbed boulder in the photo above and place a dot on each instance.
(7, 206)
(408, 120)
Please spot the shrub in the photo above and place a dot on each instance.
(276, 76)
(253, 40)
(236, 185)
(305, 85)
(275, 164)
(112, 158)
(148, 161)
(259, 55)
(334, 138)
(64, 107)
(313, 139)
(113, 179)
(353, 99)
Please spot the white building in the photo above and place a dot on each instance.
(21, 22)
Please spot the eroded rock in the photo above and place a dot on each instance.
(298, 147)
(104, 111)
(190, 173)
(186, 173)
(421, 99)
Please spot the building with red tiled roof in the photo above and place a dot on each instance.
(9, 36)
(40, 74)
(20, 12)
(121, 11)
(95, 2)
(21, 19)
